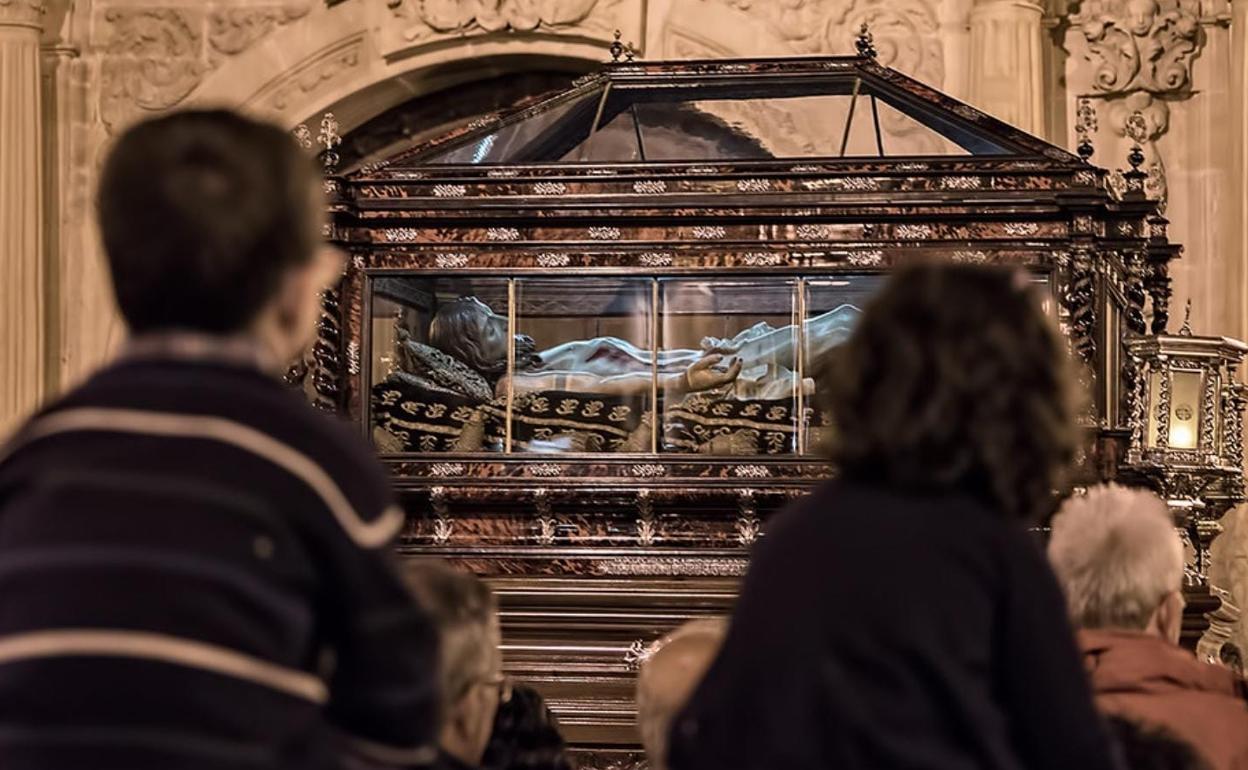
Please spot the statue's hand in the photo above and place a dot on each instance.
(717, 345)
(701, 375)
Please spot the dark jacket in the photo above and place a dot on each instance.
(877, 630)
(195, 573)
(1149, 680)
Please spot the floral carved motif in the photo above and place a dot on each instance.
(234, 30)
(425, 19)
(153, 59)
(1140, 45)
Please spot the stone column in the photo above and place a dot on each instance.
(1006, 69)
(1236, 284)
(22, 300)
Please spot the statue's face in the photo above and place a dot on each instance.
(489, 330)
(1140, 16)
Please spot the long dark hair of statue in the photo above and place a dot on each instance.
(954, 381)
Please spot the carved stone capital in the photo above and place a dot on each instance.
(22, 13)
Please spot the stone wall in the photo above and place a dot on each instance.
(75, 72)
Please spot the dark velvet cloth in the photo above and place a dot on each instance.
(880, 631)
(195, 572)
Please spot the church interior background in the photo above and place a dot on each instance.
(74, 73)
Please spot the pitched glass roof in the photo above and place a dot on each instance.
(845, 107)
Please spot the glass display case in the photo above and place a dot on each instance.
(711, 366)
(584, 333)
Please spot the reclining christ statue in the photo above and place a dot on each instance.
(758, 362)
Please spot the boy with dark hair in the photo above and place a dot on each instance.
(194, 566)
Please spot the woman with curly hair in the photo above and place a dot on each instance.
(901, 616)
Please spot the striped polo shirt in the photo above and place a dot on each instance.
(195, 573)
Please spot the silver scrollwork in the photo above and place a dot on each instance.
(449, 190)
(604, 233)
(449, 261)
(709, 232)
(502, 234)
(553, 259)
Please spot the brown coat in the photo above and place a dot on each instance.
(1145, 678)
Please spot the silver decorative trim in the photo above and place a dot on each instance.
(868, 258)
(553, 259)
(442, 526)
(703, 170)
(748, 525)
(1021, 228)
(502, 234)
(357, 262)
(650, 187)
(447, 469)
(449, 190)
(914, 232)
(764, 258)
(451, 260)
(647, 531)
(813, 232)
(502, 173)
(961, 183)
(642, 566)
(648, 470)
(550, 188)
(859, 183)
(546, 469)
(970, 257)
(655, 259)
(1086, 179)
(709, 232)
(398, 234)
(753, 185)
(604, 233)
(912, 166)
(637, 653)
(482, 121)
(751, 471)
(353, 357)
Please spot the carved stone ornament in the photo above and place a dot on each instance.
(1140, 45)
(234, 30)
(153, 59)
(427, 19)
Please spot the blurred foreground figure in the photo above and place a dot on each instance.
(1117, 554)
(668, 676)
(195, 564)
(1151, 748)
(901, 616)
(471, 665)
(525, 735)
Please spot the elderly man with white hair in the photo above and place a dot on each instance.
(1120, 560)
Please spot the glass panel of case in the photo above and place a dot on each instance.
(584, 367)
(438, 352)
(727, 351)
(832, 307)
(599, 360)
